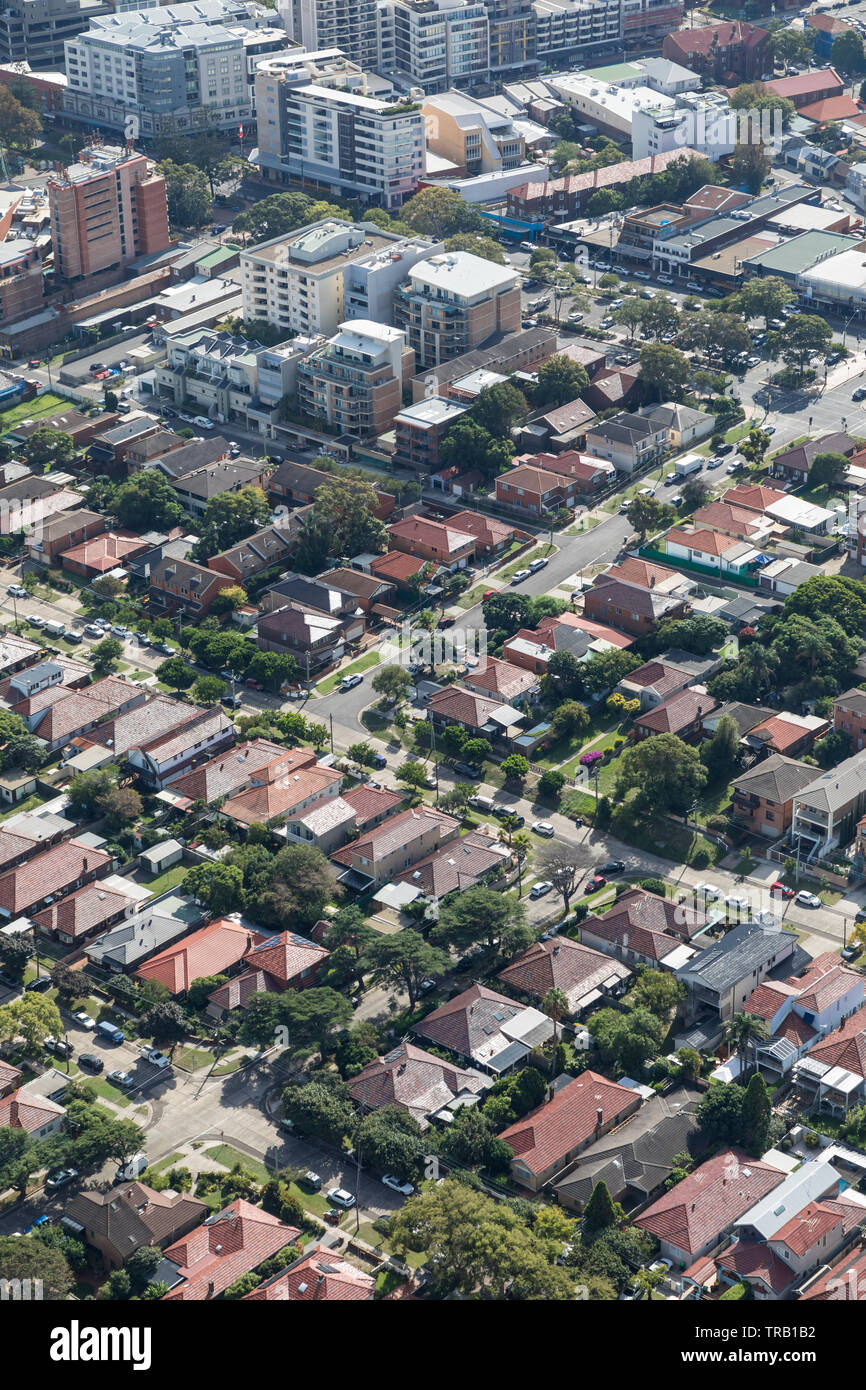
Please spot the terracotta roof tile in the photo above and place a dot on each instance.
(706, 1203)
(569, 1120)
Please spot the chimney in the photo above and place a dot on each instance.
(599, 1115)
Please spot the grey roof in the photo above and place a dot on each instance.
(34, 675)
(745, 949)
(199, 452)
(836, 788)
(776, 778)
(641, 1153)
(746, 608)
(145, 932)
(852, 700)
(746, 717)
(223, 475)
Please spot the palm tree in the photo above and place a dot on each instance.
(555, 1005)
(760, 663)
(520, 847)
(744, 1032)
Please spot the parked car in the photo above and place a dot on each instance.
(519, 576)
(540, 890)
(39, 985)
(121, 1078)
(61, 1178)
(36, 620)
(446, 622)
(737, 902)
(16, 591)
(725, 449)
(538, 564)
(778, 890)
(613, 866)
(807, 899)
(465, 770)
(593, 884)
(97, 367)
(850, 952)
(84, 1020)
(90, 1062)
(859, 394)
(349, 682)
(155, 1057)
(57, 1046)
(339, 1197)
(91, 630)
(543, 827)
(426, 986)
(708, 891)
(404, 1188)
(506, 813)
(74, 637)
(253, 685)
(313, 1180)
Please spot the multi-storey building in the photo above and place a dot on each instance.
(436, 43)
(475, 138)
(355, 382)
(36, 30)
(703, 121)
(346, 143)
(512, 33)
(168, 62)
(317, 24)
(20, 279)
(106, 210)
(584, 27)
(455, 302)
(313, 279)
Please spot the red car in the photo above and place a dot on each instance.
(35, 362)
(446, 622)
(254, 685)
(592, 885)
(489, 593)
(778, 890)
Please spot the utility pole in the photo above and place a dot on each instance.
(331, 719)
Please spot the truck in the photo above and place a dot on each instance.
(688, 464)
(54, 629)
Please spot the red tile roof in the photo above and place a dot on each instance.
(681, 711)
(210, 951)
(227, 1245)
(843, 1281)
(83, 911)
(321, 1276)
(707, 542)
(753, 497)
(414, 1080)
(779, 733)
(846, 1045)
(801, 84)
(696, 1212)
(546, 1135)
(446, 539)
(397, 566)
(722, 35)
(284, 792)
(752, 1259)
(561, 964)
(369, 803)
(803, 1232)
(285, 957)
(55, 871)
(24, 1111)
(501, 680)
(485, 529)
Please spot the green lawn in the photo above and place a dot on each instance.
(413, 1258)
(472, 596)
(541, 552)
(330, 683)
(49, 404)
(228, 1157)
(193, 1058)
(108, 1091)
(165, 1163)
(162, 882)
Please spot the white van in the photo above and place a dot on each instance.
(54, 629)
(201, 422)
(131, 1169)
(482, 803)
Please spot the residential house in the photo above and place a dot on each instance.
(419, 1083)
(319, 1276)
(833, 1076)
(772, 1268)
(226, 1246)
(282, 790)
(781, 508)
(433, 540)
(826, 811)
(372, 591)
(34, 1114)
(849, 716)
(62, 532)
(483, 1028)
(492, 537)
(194, 490)
(742, 524)
(685, 426)
(720, 979)
(313, 638)
(189, 458)
(81, 428)
(101, 554)
(612, 388)
(371, 805)
(318, 594)
(710, 550)
(182, 584)
(788, 734)
(591, 474)
(46, 877)
(643, 929)
(655, 682)
(537, 491)
(631, 607)
(10, 1078)
(125, 731)
(801, 1010)
(532, 649)
(565, 426)
(401, 570)
(274, 964)
(228, 773)
(392, 846)
(804, 89)
(273, 545)
(478, 715)
(630, 442)
(795, 463)
(149, 930)
(109, 449)
(197, 734)
(502, 681)
(746, 717)
(552, 1136)
(763, 797)
(845, 1279)
(478, 858)
(636, 1162)
(82, 914)
(694, 1216)
(120, 1221)
(56, 714)
(583, 975)
(682, 714)
(212, 950)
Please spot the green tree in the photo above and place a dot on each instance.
(86, 789)
(765, 296)
(847, 53)
(470, 446)
(804, 337)
(175, 673)
(626, 1041)
(313, 542)
(515, 768)
(666, 773)
(412, 773)
(313, 1016)
(404, 960)
(208, 690)
(120, 806)
(301, 884)
(228, 600)
(273, 669)
(828, 470)
(392, 681)
(147, 501)
(218, 886)
(350, 505)
(440, 213)
(720, 1113)
(831, 595)
(166, 1023)
(559, 381)
(483, 246)
(229, 518)
(664, 372)
(391, 1141)
(604, 201)
(569, 717)
(555, 1004)
(479, 915)
(48, 448)
(750, 165)
(188, 194)
(745, 1032)
(31, 1259)
(105, 655)
(19, 126)
(647, 514)
(754, 96)
(31, 1018)
(721, 754)
(499, 408)
(631, 315)
(755, 445)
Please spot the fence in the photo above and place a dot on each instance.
(746, 581)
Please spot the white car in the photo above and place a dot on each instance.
(540, 890)
(339, 1197)
(646, 492)
(84, 1021)
(543, 827)
(737, 902)
(349, 682)
(538, 564)
(404, 1188)
(16, 591)
(708, 891)
(155, 1057)
(519, 576)
(807, 899)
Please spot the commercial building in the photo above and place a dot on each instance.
(327, 273)
(340, 140)
(21, 286)
(565, 28)
(435, 43)
(318, 24)
(355, 383)
(106, 210)
(168, 62)
(456, 302)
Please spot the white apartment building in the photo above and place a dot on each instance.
(316, 278)
(567, 26)
(436, 43)
(167, 62)
(355, 382)
(346, 143)
(703, 122)
(317, 24)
